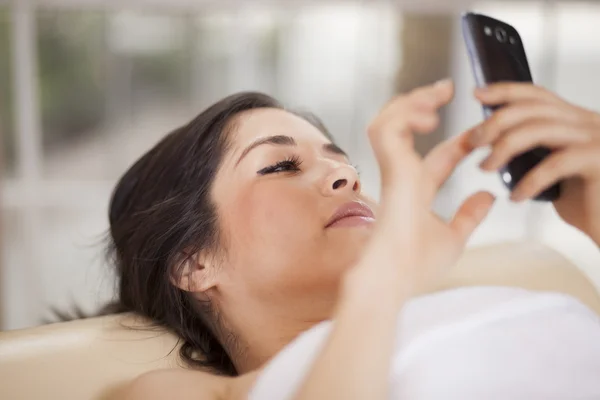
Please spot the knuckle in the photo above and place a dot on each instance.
(593, 120)
(423, 123)
(504, 90)
(397, 106)
(555, 162)
(497, 119)
(541, 90)
(548, 168)
(398, 101)
(424, 102)
(544, 174)
(536, 108)
(504, 116)
(536, 179)
(506, 145)
(432, 121)
(373, 132)
(373, 129)
(424, 96)
(518, 138)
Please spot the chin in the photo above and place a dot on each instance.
(345, 245)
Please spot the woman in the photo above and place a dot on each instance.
(247, 227)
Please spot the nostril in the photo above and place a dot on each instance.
(356, 186)
(340, 183)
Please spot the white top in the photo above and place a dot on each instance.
(471, 343)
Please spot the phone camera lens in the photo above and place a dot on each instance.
(501, 35)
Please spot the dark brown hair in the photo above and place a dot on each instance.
(161, 210)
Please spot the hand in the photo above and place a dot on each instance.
(408, 236)
(531, 117)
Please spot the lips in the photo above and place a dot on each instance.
(349, 212)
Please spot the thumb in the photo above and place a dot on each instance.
(471, 213)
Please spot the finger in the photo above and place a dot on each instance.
(516, 114)
(391, 132)
(581, 161)
(471, 213)
(389, 138)
(425, 98)
(400, 190)
(423, 121)
(441, 161)
(508, 92)
(432, 97)
(531, 135)
(394, 151)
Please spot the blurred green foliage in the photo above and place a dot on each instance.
(73, 72)
(69, 77)
(6, 109)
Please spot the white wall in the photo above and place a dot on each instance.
(337, 61)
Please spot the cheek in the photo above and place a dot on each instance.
(274, 233)
(276, 243)
(271, 223)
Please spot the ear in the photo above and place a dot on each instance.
(196, 274)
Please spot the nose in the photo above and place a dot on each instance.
(341, 179)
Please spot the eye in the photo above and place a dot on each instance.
(291, 164)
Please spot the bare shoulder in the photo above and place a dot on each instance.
(186, 384)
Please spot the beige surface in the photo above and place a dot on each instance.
(529, 265)
(84, 359)
(90, 359)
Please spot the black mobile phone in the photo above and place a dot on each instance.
(497, 55)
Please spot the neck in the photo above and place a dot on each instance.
(264, 334)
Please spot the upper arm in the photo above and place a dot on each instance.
(176, 384)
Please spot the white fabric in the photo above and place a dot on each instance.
(471, 343)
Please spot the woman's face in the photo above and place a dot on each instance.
(281, 184)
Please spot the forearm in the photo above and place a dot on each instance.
(596, 236)
(356, 359)
(592, 231)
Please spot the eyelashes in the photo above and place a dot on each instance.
(290, 164)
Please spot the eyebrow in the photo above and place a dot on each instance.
(283, 140)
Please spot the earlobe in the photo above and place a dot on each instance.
(193, 275)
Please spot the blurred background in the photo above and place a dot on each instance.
(87, 86)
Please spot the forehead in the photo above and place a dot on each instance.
(263, 122)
